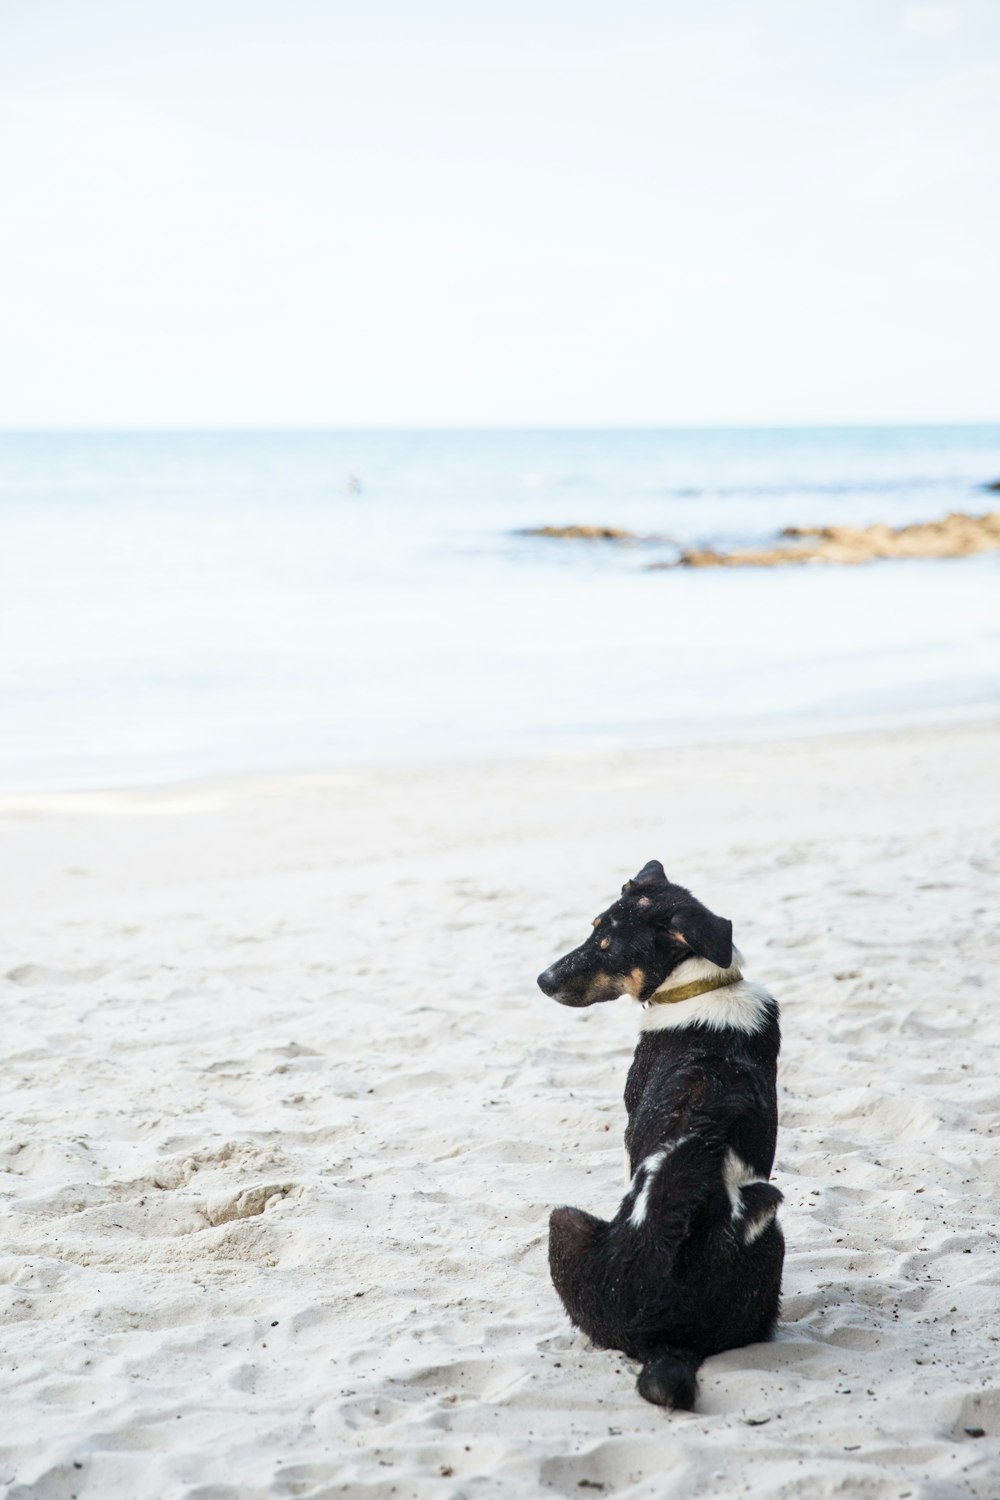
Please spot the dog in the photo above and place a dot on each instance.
(691, 1263)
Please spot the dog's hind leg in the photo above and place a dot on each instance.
(670, 1378)
(760, 1202)
(575, 1242)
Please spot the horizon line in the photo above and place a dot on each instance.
(261, 429)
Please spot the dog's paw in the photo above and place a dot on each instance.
(670, 1379)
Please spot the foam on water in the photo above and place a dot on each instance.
(174, 605)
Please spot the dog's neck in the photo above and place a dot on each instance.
(723, 1000)
(696, 976)
(676, 993)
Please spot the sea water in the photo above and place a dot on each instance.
(176, 605)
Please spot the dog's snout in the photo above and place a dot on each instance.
(546, 983)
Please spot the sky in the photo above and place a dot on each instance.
(308, 213)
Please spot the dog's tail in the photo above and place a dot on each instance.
(670, 1378)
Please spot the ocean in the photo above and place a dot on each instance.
(177, 605)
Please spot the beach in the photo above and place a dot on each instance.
(452, 457)
(286, 1115)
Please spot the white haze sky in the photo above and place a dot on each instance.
(408, 212)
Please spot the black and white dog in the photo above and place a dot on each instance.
(691, 1263)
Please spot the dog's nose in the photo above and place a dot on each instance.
(546, 983)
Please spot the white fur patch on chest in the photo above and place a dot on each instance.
(739, 1007)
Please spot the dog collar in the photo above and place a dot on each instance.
(689, 991)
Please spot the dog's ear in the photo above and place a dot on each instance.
(704, 933)
(651, 875)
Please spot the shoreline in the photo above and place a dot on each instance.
(580, 747)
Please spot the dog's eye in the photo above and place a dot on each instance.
(605, 943)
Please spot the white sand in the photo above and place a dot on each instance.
(284, 1115)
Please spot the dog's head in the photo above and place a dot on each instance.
(650, 930)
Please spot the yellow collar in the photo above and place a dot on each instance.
(689, 991)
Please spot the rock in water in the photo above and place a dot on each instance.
(958, 535)
(583, 533)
